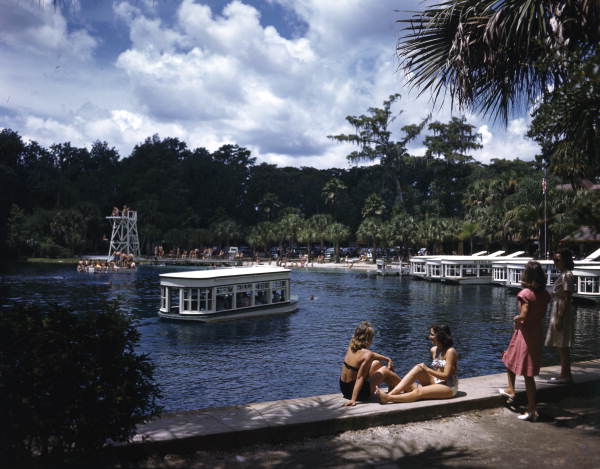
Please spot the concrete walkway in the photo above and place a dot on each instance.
(286, 420)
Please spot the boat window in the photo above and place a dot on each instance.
(224, 298)
(164, 291)
(190, 299)
(499, 273)
(205, 299)
(173, 300)
(470, 270)
(485, 270)
(589, 284)
(261, 293)
(452, 270)
(515, 276)
(279, 291)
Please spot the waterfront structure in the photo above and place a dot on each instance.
(419, 264)
(124, 237)
(474, 269)
(588, 281)
(223, 294)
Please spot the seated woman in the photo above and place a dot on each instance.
(439, 381)
(362, 370)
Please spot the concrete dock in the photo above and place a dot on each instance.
(293, 419)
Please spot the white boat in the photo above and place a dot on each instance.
(515, 268)
(429, 267)
(475, 269)
(588, 281)
(227, 293)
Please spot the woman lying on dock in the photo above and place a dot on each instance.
(438, 381)
(362, 370)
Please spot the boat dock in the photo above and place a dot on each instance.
(193, 262)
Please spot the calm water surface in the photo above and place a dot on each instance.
(296, 355)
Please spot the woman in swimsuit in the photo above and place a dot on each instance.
(438, 381)
(362, 370)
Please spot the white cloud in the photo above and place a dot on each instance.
(213, 77)
(40, 29)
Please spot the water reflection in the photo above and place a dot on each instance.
(259, 359)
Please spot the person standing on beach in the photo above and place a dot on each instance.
(561, 332)
(524, 353)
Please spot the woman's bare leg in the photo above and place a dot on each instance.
(511, 382)
(432, 391)
(565, 363)
(530, 390)
(379, 374)
(409, 379)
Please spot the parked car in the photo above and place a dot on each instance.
(329, 254)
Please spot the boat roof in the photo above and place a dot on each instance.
(226, 272)
(593, 256)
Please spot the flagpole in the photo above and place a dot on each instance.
(545, 188)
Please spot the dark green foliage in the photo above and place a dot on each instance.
(69, 382)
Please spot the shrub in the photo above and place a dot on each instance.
(70, 381)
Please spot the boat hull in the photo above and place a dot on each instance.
(469, 280)
(219, 316)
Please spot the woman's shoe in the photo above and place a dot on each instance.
(560, 380)
(529, 416)
(509, 397)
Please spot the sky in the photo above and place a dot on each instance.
(274, 76)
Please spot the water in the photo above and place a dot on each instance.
(295, 355)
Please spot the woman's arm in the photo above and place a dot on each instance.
(449, 369)
(523, 311)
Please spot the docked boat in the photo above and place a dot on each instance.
(430, 267)
(224, 294)
(588, 282)
(476, 269)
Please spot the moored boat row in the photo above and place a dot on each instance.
(505, 270)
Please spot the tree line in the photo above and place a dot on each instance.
(54, 199)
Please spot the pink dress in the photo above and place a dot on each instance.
(524, 352)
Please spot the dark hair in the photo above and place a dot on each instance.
(534, 276)
(566, 256)
(442, 335)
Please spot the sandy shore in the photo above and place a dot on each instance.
(296, 264)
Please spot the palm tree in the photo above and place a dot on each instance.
(494, 56)
(336, 232)
(260, 236)
(269, 205)
(374, 206)
(318, 224)
(369, 231)
(289, 227)
(468, 231)
(226, 230)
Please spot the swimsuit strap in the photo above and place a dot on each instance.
(350, 367)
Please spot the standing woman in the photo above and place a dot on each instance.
(561, 332)
(524, 352)
(438, 381)
(362, 370)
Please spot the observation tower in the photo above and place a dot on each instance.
(124, 237)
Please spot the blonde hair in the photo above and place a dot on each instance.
(363, 336)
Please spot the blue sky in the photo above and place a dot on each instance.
(275, 76)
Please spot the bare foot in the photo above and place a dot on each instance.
(383, 397)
